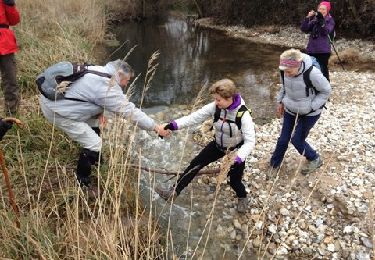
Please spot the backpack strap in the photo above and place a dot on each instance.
(241, 111)
(282, 76)
(101, 74)
(217, 114)
(80, 71)
(308, 83)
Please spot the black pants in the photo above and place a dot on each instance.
(210, 154)
(322, 58)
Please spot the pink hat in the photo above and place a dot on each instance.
(327, 5)
(289, 64)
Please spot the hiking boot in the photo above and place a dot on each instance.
(92, 192)
(272, 173)
(312, 166)
(242, 205)
(166, 194)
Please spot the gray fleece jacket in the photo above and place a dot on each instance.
(100, 95)
(293, 93)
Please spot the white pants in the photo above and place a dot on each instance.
(80, 132)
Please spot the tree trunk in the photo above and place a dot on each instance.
(353, 9)
(198, 8)
(144, 9)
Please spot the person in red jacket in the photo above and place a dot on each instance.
(9, 16)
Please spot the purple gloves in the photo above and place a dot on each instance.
(171, 126)
(238, 160)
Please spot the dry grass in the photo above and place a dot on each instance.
(57, 220)
(53, 30)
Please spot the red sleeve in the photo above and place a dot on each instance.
(12, 14)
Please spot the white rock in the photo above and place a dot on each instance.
(236, 224)
(348, 229)
(272, 228)
(331, 247)
(284, 212)
(259, 225)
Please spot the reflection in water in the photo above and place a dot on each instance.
(190, 56)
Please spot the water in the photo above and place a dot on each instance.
(191, 56)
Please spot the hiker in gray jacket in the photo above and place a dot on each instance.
(85, 101)
(299, 104)
(234, 130)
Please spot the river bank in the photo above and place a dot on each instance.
(351, 52)
(326, 215)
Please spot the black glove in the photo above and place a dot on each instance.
(320, 19)
(169, 127)
(4, 127)
(9, 2)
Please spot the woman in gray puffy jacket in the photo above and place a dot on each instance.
(299, 104)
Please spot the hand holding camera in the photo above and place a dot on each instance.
(311, 14)
(320, 19)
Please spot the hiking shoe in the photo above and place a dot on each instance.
(312, 166)
(272, 173)
(242, 205)
(91, 191)
(166, 194)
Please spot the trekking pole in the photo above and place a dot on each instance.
(334, 48)
(9, 187)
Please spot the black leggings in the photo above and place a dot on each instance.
(322, 58)
(210, 154)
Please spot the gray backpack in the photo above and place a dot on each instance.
(56, 79)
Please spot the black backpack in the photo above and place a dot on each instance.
(307, 80)
(241, 111)
(56, 79)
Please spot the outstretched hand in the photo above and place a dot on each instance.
(161, 131)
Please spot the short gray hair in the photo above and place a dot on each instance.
(292, 54)
(124, 67)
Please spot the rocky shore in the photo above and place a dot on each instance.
(326, 215)
(287, 36)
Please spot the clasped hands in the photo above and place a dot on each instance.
(162, 131)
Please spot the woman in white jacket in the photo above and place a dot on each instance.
(234, 130)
